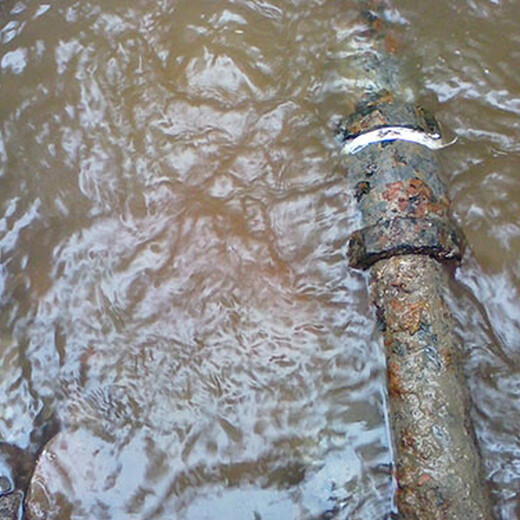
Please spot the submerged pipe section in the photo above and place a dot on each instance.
(438, 468)
(405, 239)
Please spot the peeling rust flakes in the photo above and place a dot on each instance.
(405, 479)
(388, 341)
(377, 25)
(406, 290)
(404, 206)
(408, 316)
(395, 389)
(373, 120)
(393, 191)
(374, 21)
(412, 319)
(414, 198)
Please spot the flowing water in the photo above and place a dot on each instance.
(175, 298)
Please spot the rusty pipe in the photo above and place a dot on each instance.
(438, 467)
(405, 238)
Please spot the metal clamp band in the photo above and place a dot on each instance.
(395, 133)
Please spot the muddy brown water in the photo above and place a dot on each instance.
(174, 292)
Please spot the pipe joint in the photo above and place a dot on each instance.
(398, 188)
(383, 120)
(401, 236)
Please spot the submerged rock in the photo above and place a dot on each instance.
(69, 469)
(10, 506)
(82, 475)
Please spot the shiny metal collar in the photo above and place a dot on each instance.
(433, 141)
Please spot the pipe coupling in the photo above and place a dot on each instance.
(398, 188)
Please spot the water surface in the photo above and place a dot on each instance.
(174, 291)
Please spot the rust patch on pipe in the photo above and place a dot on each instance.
(406, 231)
(398, 188)
(438, 467)
(395, 390)
(414, 198)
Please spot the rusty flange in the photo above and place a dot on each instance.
(402, 236)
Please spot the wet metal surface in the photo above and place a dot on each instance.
(174, 288)
(406, 236)
(403, 204)
(438, 465)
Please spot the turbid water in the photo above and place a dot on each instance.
(174, 292)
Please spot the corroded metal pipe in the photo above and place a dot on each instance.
(405, 238)
(438, 468)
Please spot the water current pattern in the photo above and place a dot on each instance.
(175, 298)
